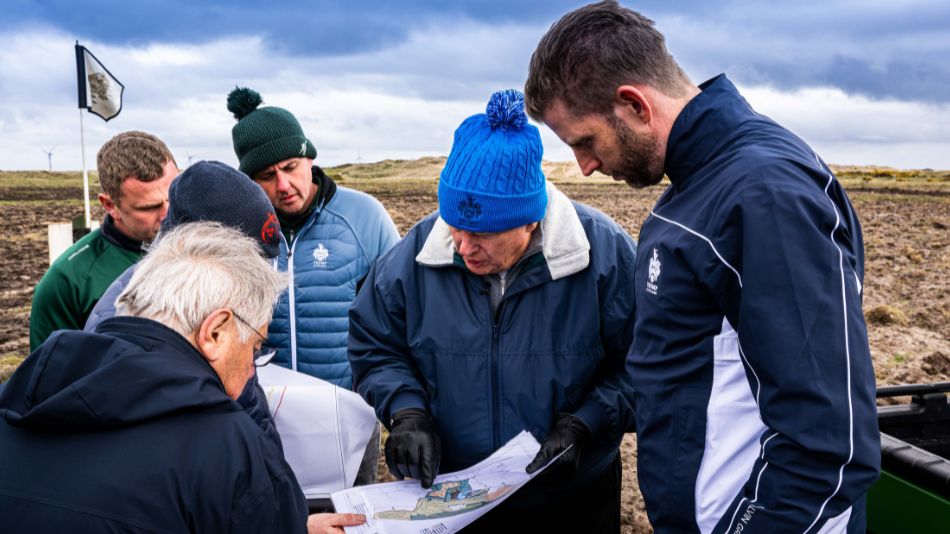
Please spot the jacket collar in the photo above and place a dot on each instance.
(705, 126)
(113, 235)
(565, 246)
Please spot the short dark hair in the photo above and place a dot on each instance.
(593, 50)
(131, 154)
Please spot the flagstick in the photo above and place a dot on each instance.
(85, 174)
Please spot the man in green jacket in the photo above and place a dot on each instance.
(135, 170)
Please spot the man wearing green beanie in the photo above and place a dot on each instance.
(507, 310)
(331, 237)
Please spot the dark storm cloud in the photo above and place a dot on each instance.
(323, 28)
(896, 49)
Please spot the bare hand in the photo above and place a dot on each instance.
(333, 523)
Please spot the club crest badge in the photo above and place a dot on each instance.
(320, 255)
(653, 273)
(469, 210)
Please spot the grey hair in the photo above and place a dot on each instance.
(196, 268)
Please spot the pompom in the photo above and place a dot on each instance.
(506, 110)
(242, 101)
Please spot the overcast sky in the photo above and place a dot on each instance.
(864, 82)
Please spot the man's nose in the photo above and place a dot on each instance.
(283, 184)
(466, 244)
(588, 164)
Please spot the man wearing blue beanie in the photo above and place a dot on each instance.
(507, 310)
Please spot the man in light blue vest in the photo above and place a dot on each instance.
(331, 236)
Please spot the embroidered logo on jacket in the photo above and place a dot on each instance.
(654, 272)
(320, 255)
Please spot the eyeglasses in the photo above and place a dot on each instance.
(262, 356)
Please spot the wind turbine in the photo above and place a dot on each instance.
(190, 157)
(49, 155)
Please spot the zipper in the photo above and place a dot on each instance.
(292, 300)
(291, 303)
(495, 378)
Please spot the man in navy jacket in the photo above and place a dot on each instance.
(507, 310)
(134, 427)
(750, 362)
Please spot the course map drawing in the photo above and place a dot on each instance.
(454, 500)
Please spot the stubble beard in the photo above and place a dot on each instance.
(640, 162)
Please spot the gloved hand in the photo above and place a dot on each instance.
(568, 432)
(414, 448)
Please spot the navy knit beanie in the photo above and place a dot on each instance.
(264, 136)
(212, 191)
(492, 181)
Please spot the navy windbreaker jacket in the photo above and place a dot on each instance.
(753, 378)
(422, 335)
(130, 430)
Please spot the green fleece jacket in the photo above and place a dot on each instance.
(74, 282)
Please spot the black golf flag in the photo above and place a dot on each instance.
(99, 91)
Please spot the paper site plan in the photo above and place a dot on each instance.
(453, 501)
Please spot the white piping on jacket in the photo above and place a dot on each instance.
(847, 348)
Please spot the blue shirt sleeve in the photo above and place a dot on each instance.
(105, 308)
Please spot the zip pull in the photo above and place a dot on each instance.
(494, 331)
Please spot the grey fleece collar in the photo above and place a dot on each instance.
(564, 244)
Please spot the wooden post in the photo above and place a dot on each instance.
(60, 238)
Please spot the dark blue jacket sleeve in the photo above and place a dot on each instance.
(267, 497)
(609, 405)
(254, 402)
(803, 341)
(383, 369)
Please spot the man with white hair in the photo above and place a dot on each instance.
(134, 426)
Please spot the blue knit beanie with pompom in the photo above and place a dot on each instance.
(492, 181)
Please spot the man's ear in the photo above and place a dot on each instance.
(211, 334)
(632, 102)
(109, 205)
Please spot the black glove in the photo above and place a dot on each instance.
(414, 448)
(568, 432)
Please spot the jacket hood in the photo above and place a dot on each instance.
(128, 371)
(565, 246)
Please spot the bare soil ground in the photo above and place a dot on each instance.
(905, 216)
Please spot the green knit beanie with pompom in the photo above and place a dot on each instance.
(264, 136)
